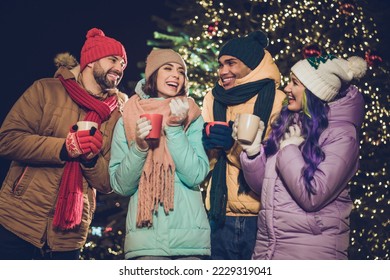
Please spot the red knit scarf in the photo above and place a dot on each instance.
(69, 207)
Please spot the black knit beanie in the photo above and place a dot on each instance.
(248, 49)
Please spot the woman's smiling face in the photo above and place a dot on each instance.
(170, 79)
(294, 91)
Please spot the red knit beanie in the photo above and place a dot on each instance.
(98, 46)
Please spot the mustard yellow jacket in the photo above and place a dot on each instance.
(243, 204)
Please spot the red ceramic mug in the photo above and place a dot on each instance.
(156, 122)
(210, 124)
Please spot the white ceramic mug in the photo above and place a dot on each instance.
(86, 125)
(248, 125)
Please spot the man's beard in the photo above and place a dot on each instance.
(101, 78)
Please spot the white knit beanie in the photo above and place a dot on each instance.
(325, 75)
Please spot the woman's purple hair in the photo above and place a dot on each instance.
(312, 124)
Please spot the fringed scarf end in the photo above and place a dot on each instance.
(154, 190)
(69, 211)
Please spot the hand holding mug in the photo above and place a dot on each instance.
(254, 148)
(142, 129)
(217, 135)
(246, 127)
(84, 139)
(155, 120)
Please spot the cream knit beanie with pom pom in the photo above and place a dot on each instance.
(325, 75)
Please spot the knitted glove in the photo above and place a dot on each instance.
(95, 143)
(84, 142)
(142, 129)
(179, 111)
(294, 137)
(220, 137)
(254, 148)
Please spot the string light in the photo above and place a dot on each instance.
(335, 26)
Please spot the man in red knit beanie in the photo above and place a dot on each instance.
(48, 197)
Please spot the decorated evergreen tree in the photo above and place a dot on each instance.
(299, 29)
(296, 29)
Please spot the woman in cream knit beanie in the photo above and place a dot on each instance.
(302, 170)
(325, 75)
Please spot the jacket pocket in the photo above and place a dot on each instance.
(21, 183)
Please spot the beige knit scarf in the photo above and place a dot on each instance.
(156, 185)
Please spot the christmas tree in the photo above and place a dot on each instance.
(296, 29)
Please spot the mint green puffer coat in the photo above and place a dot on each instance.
(185, 231)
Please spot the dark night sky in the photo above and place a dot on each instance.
(33, 32)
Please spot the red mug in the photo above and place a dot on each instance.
(156, 122)
(212, 124)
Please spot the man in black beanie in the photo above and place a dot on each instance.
(248, 81)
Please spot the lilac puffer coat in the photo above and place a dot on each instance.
(291, 224)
